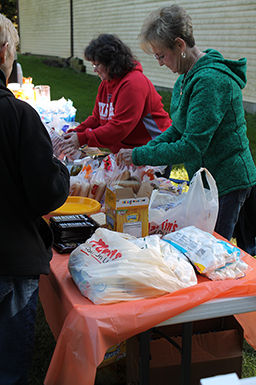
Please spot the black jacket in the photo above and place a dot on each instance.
(33, 184)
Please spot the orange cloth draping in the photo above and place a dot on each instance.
(85, 331)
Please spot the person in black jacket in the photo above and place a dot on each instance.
(34, 183)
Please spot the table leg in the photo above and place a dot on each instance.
(186, 353)
(144, 358)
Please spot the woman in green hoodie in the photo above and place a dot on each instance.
(208, 125)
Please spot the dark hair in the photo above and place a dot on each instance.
(110, 51)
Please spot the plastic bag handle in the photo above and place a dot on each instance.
(210, 180)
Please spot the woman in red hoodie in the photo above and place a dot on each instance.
(128, 111)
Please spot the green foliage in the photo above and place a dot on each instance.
(9, 9)
(249, 361)
(179, 172)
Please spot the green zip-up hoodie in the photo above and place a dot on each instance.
(209, 128)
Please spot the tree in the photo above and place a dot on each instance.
(9, 9)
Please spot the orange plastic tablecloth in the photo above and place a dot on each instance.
(85, 331)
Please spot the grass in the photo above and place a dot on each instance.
(82, 89)
(64, 82)
(249, 361)
(44, 347)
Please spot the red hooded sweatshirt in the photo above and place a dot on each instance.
(128, 113)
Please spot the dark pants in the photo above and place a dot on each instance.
(245, 230)
(18, 303)
(230, 206)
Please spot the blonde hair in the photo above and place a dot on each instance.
(164, 25)
(8, 33)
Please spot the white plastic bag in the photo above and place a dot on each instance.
(198, 207)
(109, 268)
(176, 260)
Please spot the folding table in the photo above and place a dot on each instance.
(85, 331)
(210, 309)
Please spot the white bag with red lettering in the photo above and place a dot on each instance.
(198, 207)
(110, 267)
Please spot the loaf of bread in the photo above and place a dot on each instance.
(121, 176)
(97, 190)
(85, 188)
(75, 187)
(124, 175)
(134, 184)
(79, 187)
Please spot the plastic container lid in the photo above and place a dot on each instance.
(78, 205)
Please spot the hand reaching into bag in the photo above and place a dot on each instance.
(124, 156)
(71, 144)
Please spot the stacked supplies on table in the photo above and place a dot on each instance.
(71, 230)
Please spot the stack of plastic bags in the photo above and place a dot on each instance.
(57, 113)
(111, 267)
(211, 257)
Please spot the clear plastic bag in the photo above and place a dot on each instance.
(214, 258)
(79, 186)
(57, 142)
(97, 185)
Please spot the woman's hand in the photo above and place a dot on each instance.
(124, 156)
(70, 144)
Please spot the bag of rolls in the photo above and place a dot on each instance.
(79, 186)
